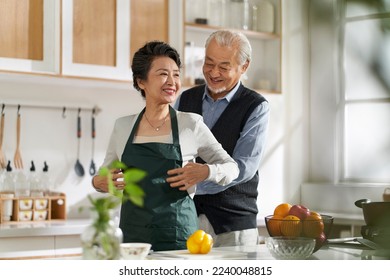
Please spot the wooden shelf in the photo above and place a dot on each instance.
(265, 70)
(35, 209)
(248, 33)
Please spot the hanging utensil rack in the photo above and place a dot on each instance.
(64, 109)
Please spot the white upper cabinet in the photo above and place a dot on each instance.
(29, 40)
(96, 39)
(259, 20)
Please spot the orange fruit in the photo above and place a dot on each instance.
(291, 226)
(313, 225)
(282, 209)
(313, 213)
(200, 242)
(273, 225)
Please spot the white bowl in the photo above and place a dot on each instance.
(135, 251)
(25, 204)
(40, 215)
(25, 215)
(41, 204)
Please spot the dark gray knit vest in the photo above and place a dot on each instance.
(235, 208)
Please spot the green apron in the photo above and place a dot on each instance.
(168, 216)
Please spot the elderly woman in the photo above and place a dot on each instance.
(164, 143)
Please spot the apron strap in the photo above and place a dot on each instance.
(175, 127)
(131, 137)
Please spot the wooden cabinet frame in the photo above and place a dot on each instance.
(121, 70)
(50, 62)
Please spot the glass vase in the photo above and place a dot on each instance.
(101, 240)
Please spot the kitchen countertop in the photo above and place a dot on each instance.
(77, 226)
(258, 252)
(47, 228)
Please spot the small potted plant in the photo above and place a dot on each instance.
(101, 240)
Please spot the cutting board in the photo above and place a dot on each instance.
(215, 254)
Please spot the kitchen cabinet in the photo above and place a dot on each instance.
(40, 239)
(142, 11)
(29, 40)
(93, 39)
(259, 20)
(96, 39)
(99, 36)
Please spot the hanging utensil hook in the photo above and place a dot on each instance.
(64, 113)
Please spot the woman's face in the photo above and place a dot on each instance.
(163, 81)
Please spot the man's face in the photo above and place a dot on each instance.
(221, 69)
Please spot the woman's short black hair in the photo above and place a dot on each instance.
(144, 57)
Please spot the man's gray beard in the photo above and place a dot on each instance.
(217, 90)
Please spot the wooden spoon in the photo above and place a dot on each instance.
(18, 162)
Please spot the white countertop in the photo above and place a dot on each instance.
(259, 252)
(76, 227)
(46, 228)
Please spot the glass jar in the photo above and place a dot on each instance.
(265, 17)
(217, 12)
(101, 240)
(239, 14)
(35, 188)
(21, 184)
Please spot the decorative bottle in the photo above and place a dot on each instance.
(35, 187)
(45, 180)
(22, 186)
(7, 193)
(101, 240)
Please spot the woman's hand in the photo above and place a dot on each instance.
(100, 182)
(187, 176)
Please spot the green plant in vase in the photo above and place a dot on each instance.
(101, 240)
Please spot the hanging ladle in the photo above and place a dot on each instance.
(78, 166)
(92, 167)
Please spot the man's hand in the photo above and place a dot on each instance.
(187, 176)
